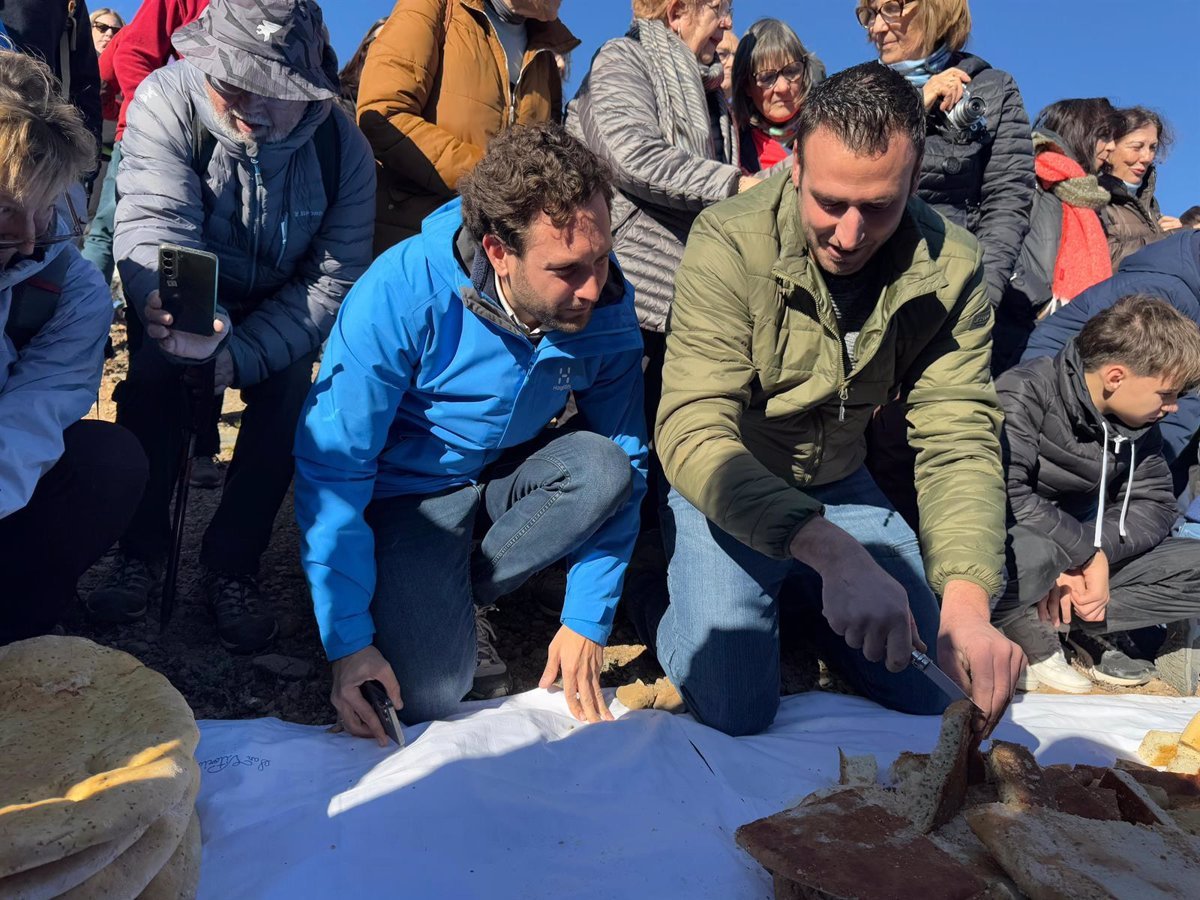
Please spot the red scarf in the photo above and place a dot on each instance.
(769, 150)
(1083, 258)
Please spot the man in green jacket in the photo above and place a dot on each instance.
(800, 308)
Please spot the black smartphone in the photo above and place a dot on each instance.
(187, 286)
(375, 694)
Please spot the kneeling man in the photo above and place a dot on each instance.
(428, 424)
(800, 308)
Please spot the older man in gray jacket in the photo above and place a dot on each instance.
(240, 151)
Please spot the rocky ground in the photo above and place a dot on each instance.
(291, 681)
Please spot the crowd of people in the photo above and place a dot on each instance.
(868, 345)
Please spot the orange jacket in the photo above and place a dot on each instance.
(434, 91)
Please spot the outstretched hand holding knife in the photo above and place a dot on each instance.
(869, 609)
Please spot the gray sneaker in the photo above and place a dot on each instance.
(491, 673)
(1178, 661)
(1111, 658)
(206, 473)
(122, 596)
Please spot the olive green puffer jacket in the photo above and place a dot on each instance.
(757, 405)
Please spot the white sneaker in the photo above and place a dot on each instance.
(1048, 664)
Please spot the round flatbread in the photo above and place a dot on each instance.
(95, 747)
(128, 874)
(48, 881)
(180, 877)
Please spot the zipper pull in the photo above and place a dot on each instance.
(843, 396)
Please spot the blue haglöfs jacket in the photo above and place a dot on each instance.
(423, 384)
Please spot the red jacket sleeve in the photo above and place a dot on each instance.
(146, 45)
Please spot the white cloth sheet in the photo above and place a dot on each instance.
(514, 799)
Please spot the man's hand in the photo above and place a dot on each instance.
(182, 344)
(948, 87)
(580, 661)
(979, 658)
(862, 603)
(1092, 604)
(1169, 223)
(222, 372)
(354, 712)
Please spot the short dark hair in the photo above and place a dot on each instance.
(1132, 118)
(1079, 124)
(526, 171)
(1146, 334)
(768, 42)
(864, 106)
(1191, 217)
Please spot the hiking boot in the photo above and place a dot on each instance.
(1178, 661)
(125, 591)
(1048, 664)
(206, 473)
(243, 623)
(491, 674)
(1111, 658)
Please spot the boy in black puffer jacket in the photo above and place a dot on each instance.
(1091, 502)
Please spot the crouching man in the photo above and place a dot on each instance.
(238, 150)
(67, 487)
(801, 307)
(427, 426)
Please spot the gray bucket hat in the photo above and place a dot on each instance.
(273, 48)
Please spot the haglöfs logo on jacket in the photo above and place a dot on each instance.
(564, 379)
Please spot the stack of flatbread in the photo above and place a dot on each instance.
(98, 783)
(957, 825)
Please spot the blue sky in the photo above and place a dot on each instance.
(1133, 53)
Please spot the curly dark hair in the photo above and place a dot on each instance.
(526, 171)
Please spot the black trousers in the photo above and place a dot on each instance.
(77, 511)
(153, 402)
(1158, 587)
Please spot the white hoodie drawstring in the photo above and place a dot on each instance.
(1103, 487)
(1128, 487)
(1096, 538)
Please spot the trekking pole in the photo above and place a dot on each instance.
(200, 391)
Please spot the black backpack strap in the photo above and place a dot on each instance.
(35, 300)
(328, 144)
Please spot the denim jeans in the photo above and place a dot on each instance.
(98, 245)
(541, 501)
(718, 640)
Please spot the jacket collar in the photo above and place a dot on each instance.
(476, 293)
(553, 36)
(1084, 418)
(907, 268)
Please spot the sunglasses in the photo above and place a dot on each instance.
(891, 11)
(73, 233)
(105, 29)
(792, 74)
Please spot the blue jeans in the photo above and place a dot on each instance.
(719, 638)
(540, 505)
(98, 245)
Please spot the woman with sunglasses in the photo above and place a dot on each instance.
(105, 25)
(978, 166)
(772, 74)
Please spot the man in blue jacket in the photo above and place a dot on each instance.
(428, 424)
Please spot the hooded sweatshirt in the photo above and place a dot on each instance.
(1169, 269)
(52, 382)
(1086, 481)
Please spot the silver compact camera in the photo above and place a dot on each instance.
(968, 113)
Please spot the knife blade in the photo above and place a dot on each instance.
(944, 682)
